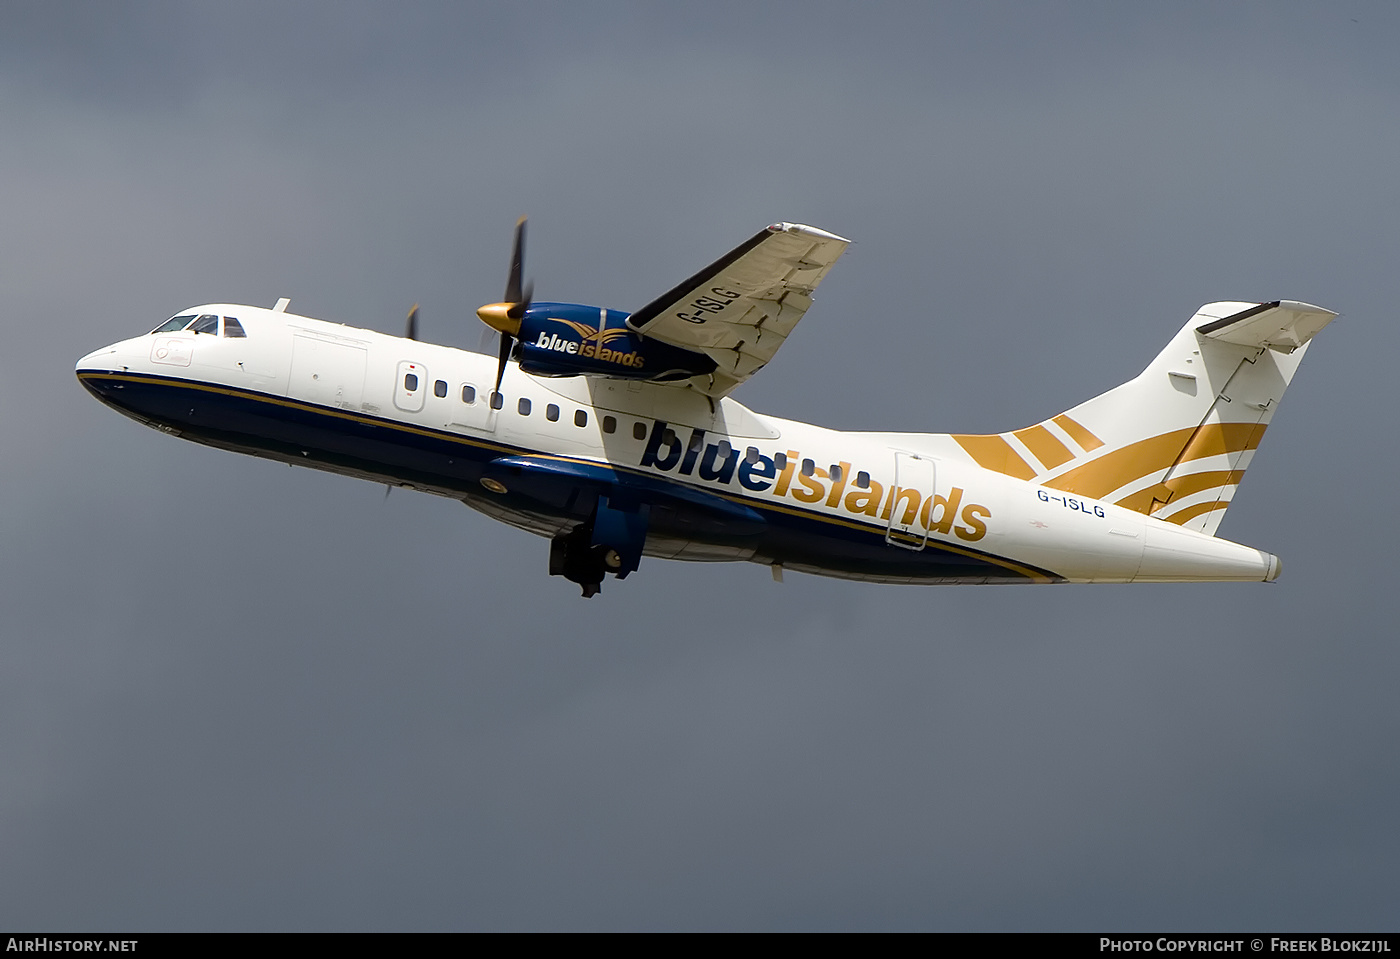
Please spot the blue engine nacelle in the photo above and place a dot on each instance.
(567, 339)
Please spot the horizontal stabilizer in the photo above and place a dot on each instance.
(1283, 325)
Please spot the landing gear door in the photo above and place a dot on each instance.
(913, 489)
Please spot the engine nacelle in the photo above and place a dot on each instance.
(567, 339)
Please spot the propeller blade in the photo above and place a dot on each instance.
(505, 317)
(411, 332)
(518, 308)
(502, 358)
(517, 265)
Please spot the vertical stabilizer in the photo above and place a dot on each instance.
(1173, 442)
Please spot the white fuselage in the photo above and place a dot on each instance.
(898, 500)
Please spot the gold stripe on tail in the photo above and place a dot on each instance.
(991, 452)
(1040, 441)
(1078, 433)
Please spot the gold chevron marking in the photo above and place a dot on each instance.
(1222, 439)
(1119, 467)
(1147, 501)
(582, 329)
(994, 453)
(1077, 433)
(1182, 517)
(1152, 499)
(1040, 441)
(1156, 454)
(587, 332)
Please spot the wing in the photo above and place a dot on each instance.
(741, 308)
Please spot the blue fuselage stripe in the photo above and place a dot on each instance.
(452, 464)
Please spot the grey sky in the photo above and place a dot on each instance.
(235, 695)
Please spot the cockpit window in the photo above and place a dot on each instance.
(208, 323)
(174, 323)
(233, 328)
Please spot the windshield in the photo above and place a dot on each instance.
(174, 323)
(202, 323)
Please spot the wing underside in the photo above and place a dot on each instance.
(740, 309)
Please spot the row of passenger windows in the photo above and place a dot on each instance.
(204, 323)
(524, 407)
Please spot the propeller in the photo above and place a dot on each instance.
(505, 316)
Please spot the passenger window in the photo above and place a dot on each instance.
(551, 413)
(724, 450)
(639, 430)
(233, 329)
(497, 401)
(468, 394)
(669, 436)
(751, 455)
(863, 479)
(610, 424)
(410, 382)
(696, 441)
(580, 418)
(208, 323)
(440, 388)
(780, 461)
(523, 407)
(808, 467)
(836, 473)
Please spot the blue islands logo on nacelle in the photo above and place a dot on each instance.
(566, 339)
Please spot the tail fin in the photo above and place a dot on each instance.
(1175, 441)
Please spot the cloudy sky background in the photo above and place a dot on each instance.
(235, 695)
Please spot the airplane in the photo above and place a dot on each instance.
(614, 434)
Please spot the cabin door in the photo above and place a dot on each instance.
(913, 488)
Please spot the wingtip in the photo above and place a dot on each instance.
(786, 227)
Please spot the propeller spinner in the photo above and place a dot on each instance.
(505, 317)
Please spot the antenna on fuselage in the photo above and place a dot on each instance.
(282, 304)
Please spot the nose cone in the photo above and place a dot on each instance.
(497, 316)
(118, 357)
(101, 371)
(102, 360)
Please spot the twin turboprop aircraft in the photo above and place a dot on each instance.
(614, 435)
